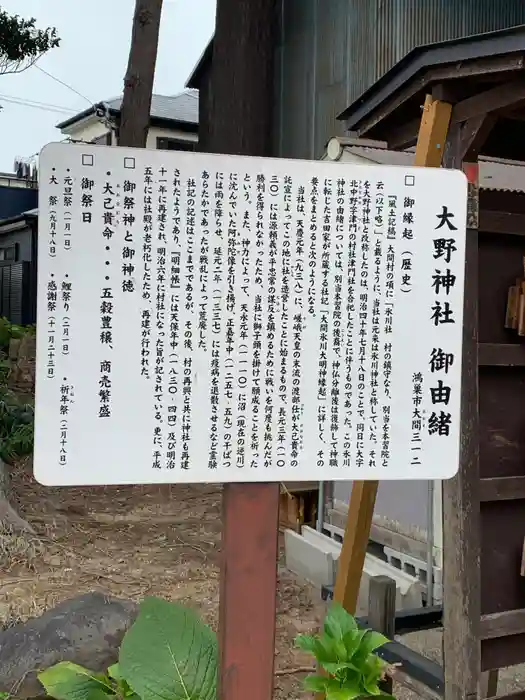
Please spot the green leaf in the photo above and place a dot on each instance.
(372, 641)
(353, 642)
(339, 694)
(98, 694)
(169, 654)
(337, 691)
(371, 687)
(306, 642)
(320, 648)
(377, 665)
(315, 683)
(114, 672)
(339, 622)
(339, 666)
(68, 681)
(122, 686)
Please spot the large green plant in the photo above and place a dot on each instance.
(170, 654)
(167, 654)
(345, 653)
(16, 427)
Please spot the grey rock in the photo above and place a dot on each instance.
(86, 630)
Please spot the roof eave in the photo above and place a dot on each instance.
(90, 111)
(471, 48)
(195, 76)
(30, 214)
(76, 118)
(164, 122)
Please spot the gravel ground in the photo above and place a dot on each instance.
(429, 644)
(132, 542)
(156, 541)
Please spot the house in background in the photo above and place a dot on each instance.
(18, 222)
(18, 258)
(173, 127)
(18, 193)
(174, 122)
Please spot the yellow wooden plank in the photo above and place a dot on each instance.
(355, 543)
(433, 132)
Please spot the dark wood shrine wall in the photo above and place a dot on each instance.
(501, 436)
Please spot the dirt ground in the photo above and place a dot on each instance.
(137, 541)
(132, 542)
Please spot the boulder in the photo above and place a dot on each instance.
(86, 630)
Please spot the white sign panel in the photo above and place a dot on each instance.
(208, 318)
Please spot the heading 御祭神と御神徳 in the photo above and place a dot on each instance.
(211, 318)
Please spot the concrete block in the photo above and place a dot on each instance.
(308, 560)
(322, 541)
(408, 589)
(418, 568)
(314, 556)
(334, 532)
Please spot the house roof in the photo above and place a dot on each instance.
(488, 44)
(18, 219)
(194, 79)
(462, 68)
(494, 173)
(182, 109)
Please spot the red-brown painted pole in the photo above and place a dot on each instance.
(248, 591)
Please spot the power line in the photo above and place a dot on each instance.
(61, 82)
(38, 102)
(37, 105)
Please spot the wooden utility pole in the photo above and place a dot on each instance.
(140, 74)
(241, 123)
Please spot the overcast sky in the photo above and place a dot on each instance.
(91, 60)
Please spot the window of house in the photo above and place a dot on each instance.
(8, 253)
(168, 144)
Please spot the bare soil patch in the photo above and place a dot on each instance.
(131, 542)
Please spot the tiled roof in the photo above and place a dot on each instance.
(182, 108)
(494, 173)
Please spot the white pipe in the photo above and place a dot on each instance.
(320, 507)
(430, 543)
